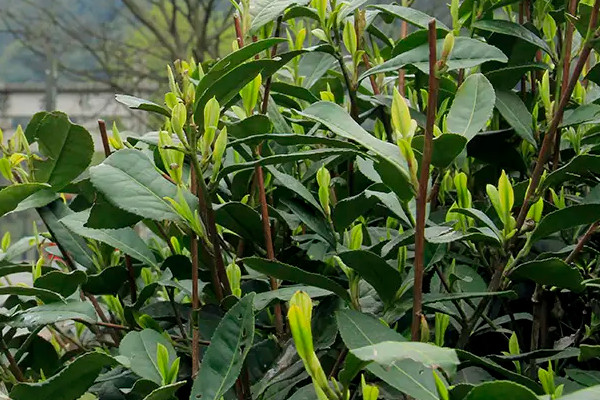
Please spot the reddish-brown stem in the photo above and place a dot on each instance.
(14, 367)
(267, 91)
(402, 73)
(103, 317)
(128, 264)
(582, 241)
(547, 143)
(367, 63)
(238, 31)
(568, 42)
(422, 190)
(262, 195)
(113, 326)
(104, 136)
(268, 242)
(165, 237)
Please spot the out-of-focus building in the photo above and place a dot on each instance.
(84, 103)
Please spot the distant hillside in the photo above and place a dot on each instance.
(19, 64)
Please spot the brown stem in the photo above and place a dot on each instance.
(568, 43)
(338, 362)
(551, 133)
(459, 307)
(540, 319)
(14, 367)
(521, 21)
(165, 237)
(402, 73)
(113, 326)
(104, 136)
(238, 31)
(264, 210)
(268, 242)
(422, 190)
(374, 86)
(492, 287)
(195, 266)
(267, 91)
(113, 334)
(582, 241)
(218, 274)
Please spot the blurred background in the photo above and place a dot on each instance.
(75, 55)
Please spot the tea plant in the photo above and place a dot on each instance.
(330, 211)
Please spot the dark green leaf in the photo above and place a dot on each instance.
(285, 158)
(314, 221)
(38, 199)
(67, 150)
(124, 239)
(240, 219)
(388, 353)
(551, 272)
(445, 148)
(467, 357)
(587, 113)
(359, 330)
(290, 273)
(581, 166)
(287, 139)
(130, 181)
(385, 279)
(258, 124)
(60, 282)
(339, 122)
(512, 29)
(410, 15)
(467, 53)
(265, 11)
(68, 384)
(225, 356)
(566, 218)
(12, 195)
(52, 313)
(507, 77)
(104, 215)
(165, 392)
(594, 74)
(590, 393)
(515, 112)
(291, 183)
(109, 281)
(262, 300)
(46, 296)
(588, 352)
(430, 298)
(501, 390)
(472, 106)
(73, 244)
(294, 91)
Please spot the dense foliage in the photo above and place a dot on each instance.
(326, 212)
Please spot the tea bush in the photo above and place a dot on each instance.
(330, 212)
